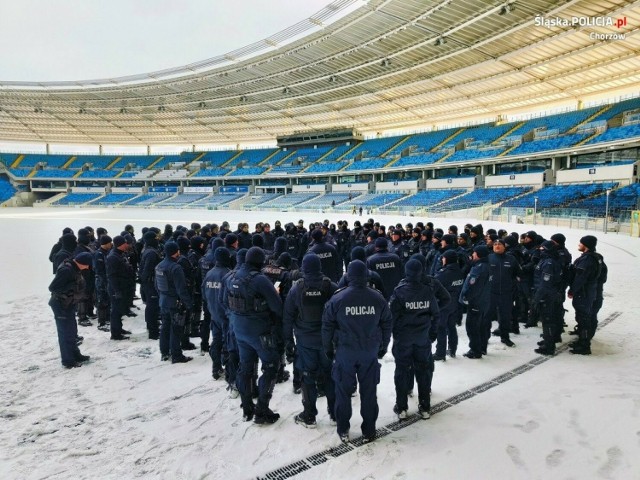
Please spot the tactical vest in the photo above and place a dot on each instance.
(253, 303)
(162, 282)
(314, 299)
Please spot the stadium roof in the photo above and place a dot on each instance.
(389, 64)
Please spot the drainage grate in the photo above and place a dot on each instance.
(322, 457)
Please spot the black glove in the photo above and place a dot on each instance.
(330, 354)
(381, 353)
(290, 352)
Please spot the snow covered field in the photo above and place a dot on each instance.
(127, 415)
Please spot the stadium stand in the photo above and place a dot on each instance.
(114, 198)
(148, 199)
(77, 199)
(288, 201)
(371, 200)
(426, 198)
(482, 196)
(553, 196)
(623, 198)
(6, 189)
(326, 201)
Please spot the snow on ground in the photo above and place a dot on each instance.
(127, 415)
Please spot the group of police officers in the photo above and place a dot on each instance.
(273, 297)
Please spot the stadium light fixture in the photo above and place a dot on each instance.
(243, 98)
(123, 110)
(333, 79)
(385, 62)
(161, 108)
(202, 105)
(440, 41)
(81, 111)
(286, 90)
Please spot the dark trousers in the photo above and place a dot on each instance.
(170, 333)
(583, 304)
(152, 308)
(595, 308)
(348, 367)
(205, 325)
(119, 307)
(412, 360)
(215, 347)
(196, 313)
(476, 330)
(501, 310)
(447, 330)
(251, 349)
(315, 368)
(230, 358)
(67, 331)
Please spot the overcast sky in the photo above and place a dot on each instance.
(44, 40)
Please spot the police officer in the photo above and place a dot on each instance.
(388, 265)
(476, 294)
(255, 310)
(149, 260)
(67, 288)
(195, 254)
(331, 261)
(414, 310)
(100, 269)
(119, 277)
(356, 329)
(175, 302)
(68, 242)
(504, 270)
(210, 293)
(84, 309)
(452, 278)
(303, 316)
(374, 279)
(547, 287)
(582, 292)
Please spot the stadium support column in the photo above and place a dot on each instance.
(48, 149)
(99, 149)
(148, 149)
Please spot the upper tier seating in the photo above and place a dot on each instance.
(419, 159)
(216, 159)
(617, 133)
(547, 144)
(326, 166)
(369, 164)
(99, 174)
(54, 173)
(212, 172)
(472, 154)
(53, 161)
(562, 122)
(374, 147)
(424, 142)
(96, 161)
